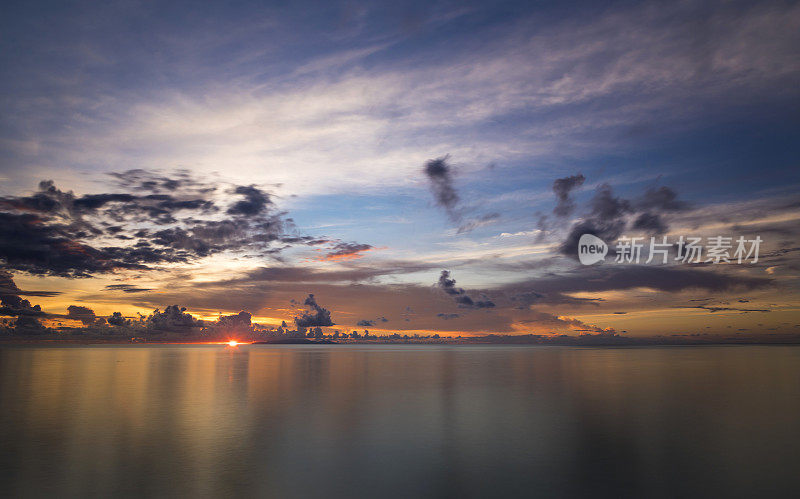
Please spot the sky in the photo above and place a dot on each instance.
(415, 166)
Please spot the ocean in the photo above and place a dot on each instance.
(400, 421)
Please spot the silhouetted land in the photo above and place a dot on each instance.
(492, 339)
(295, 341)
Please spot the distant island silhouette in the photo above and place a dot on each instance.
(295, 341)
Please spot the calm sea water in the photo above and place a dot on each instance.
(399, 421)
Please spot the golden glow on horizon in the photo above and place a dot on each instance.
(233, 343)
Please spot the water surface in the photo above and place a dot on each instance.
(399, 421)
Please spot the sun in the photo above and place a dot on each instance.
(233, 343)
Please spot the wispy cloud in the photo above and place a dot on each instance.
(349, 126)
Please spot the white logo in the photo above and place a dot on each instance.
(591, 249)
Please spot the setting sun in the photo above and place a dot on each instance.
(233, 343)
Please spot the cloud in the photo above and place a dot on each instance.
(117, 319)
(27, 324)
(255, 201)
(347, 272)
(555, 289)
(713, 309)
(605, 219)
(170, 220)
(314, 316)
(562, 188)
(127, 288)
(371, 322)
(654, 203)
(661, 199)
(447, 317)
(551, 321)
(608, 216)
(16, 307)
(266, 292)
(440, 175)
(29, 244)
(83, 314)
(448, 285)
(637, 65)
(484, 302)
(650, 223)
(9, 287)
(173, 318)
(242, 320)
(151, 181)
(476, 222)
(347, 251)
(11, 304)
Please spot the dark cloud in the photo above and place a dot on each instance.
(84, 314)
(28, 243)
(605, 219)
(353, 272)
(14, 306)
(255, 201)
(550, 321)
(652, 224)
(562, 188)
(11, 304)
(58, 233)
(554, 289)
(27, 324)
(527, 298)
(661, 199)
(440, 175)
(117, 319)
(464, 300)
(371, 322)
(95, 201)
(347, 251)
(40, 202)
(447, 316)
(314, 316)
(542, 225)
(242, 320)
(150, 181)
(153, 207)
(713, 309)
(654, 203)
(173, 318)
(9, 287)
(127, 288)
(484, 302)
(607, 216)
(607, 207)
(448, 285)
(477, 222)
(306, 240)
